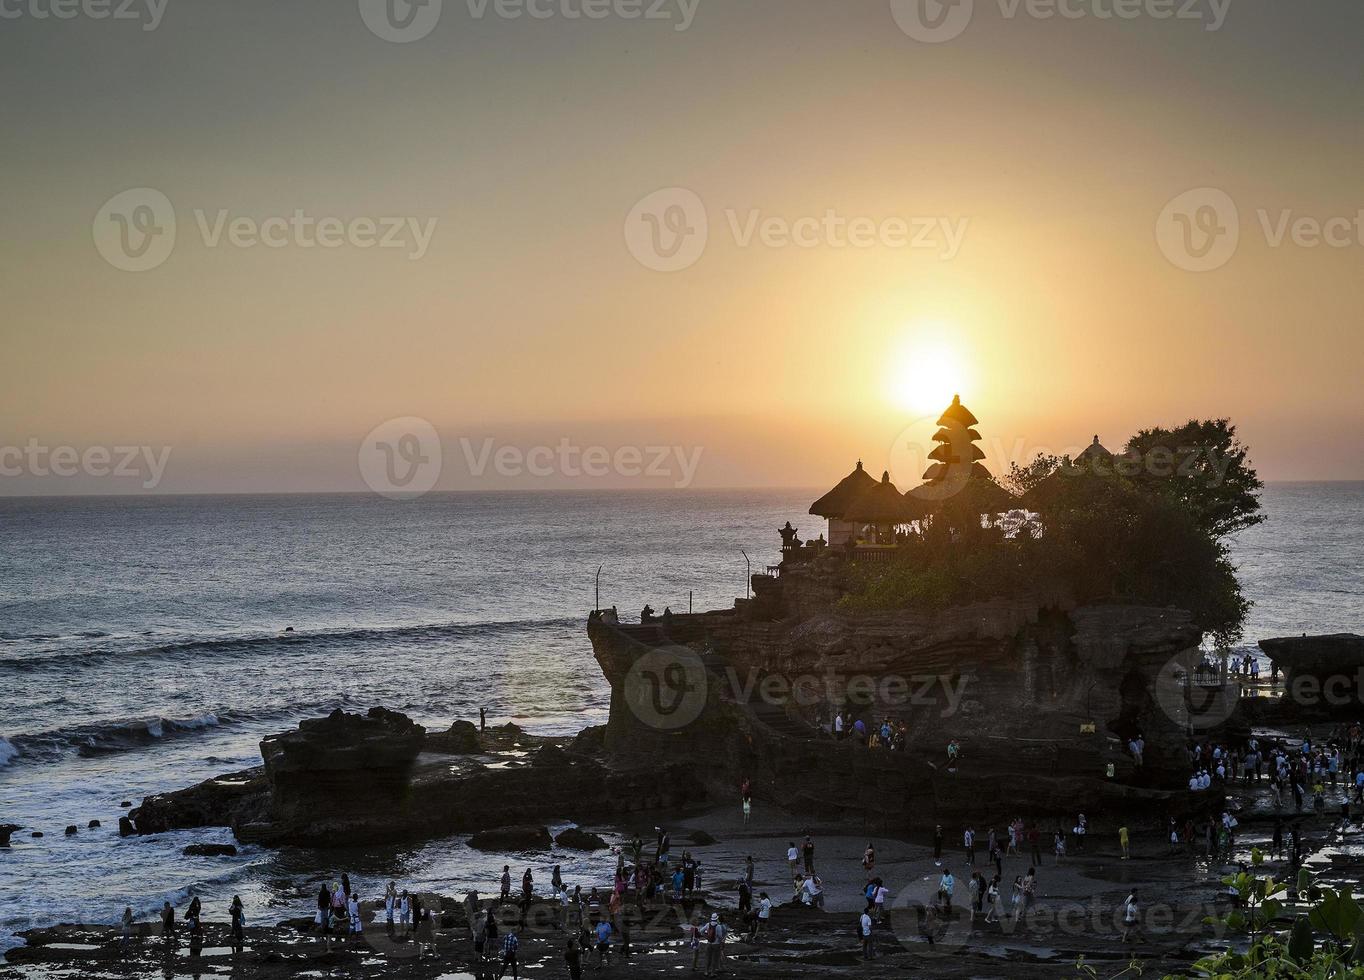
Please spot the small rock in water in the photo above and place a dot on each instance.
(126, 828)
(71, 830)
(92, 824)
(210, 850)
(126, 803)
(580, 840)
(37, 833)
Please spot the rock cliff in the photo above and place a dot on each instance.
(1042, 700)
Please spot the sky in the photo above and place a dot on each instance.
(327, 244)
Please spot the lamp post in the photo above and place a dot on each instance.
(748, 579)
(599, 568)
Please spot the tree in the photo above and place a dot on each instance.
(1202, 465)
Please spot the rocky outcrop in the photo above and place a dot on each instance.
(210, 850)
(6, 829)
(576, 839)
(461, 739)
(434, 794)
(332, 775)
(1041, 699)
(1318, 657)
(227, 801)
(511, 839)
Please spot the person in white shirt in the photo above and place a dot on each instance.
(390, 902)
(764, 913)
(838, 725)
(1131, 924)
(868, 947)
(793, 860)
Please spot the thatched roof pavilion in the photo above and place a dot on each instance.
(834, 503)
(882, 504)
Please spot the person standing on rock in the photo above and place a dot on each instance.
(238, 916)
(168, 921)
(1060, 844)
(808, 852)
(405, 912)
(490, 932)
(353, 912)
(1124, 840)
(937, 846)
(865, 928)
(574, 958)
(390, 904)
(510, 946)
(869, 861)
(1035, 844)
(946, 886)
(968, 841)
(715, 944)
(127, 927)
(793, 859)
(506, 884)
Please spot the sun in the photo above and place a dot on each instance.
(925, 374)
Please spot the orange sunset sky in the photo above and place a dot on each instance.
(1052, 145)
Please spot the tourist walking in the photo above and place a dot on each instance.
(869, 861)
(127, 926)
(968, 841)
(1123, 841)
(868, 942)
(1131, 919)
(937, 846)
(808, 854)
(946, 885)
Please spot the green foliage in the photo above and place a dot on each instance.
(1204, 467)
(1294, 953)
(1143, 527)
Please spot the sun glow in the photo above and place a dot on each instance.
(926, 373)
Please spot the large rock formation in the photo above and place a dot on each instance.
(1041, 698)
(350, 780)
(331, 775)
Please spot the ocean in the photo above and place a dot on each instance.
(143, 648)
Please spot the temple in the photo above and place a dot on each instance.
(866, 515)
